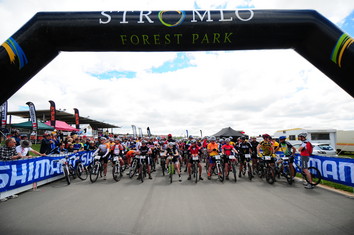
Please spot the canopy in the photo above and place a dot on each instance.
(28, 125)
(62, 126)
(227, 132)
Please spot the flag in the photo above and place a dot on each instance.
(201, 133)
(52, 113)
(187, 133)
(3, 109)
(77, 119)
(148, 131)
(140, 132)
(32, 111)
(134, 131)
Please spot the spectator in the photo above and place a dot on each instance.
(24, 149)
(46, 144)
(8, 152)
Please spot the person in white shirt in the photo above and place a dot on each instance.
(25, 147)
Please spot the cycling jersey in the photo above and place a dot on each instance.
(212, 146)
(267, 148)
(144, 150)
(244, 147)
(194, 149)
(285, 147)
(227, 149)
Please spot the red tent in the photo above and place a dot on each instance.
(63, 126)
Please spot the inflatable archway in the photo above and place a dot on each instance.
(47, 33)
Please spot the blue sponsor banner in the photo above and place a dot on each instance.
(338, 170)
(15, 174)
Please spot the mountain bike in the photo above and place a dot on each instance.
(69, 170)
(269, 170)
(117, 172)
(247, 166)
(96, 169)
(315, 174)
(133, 167)
(195, 161)
(171, 168)
(283, 169)
(232, 162)
(218, 169)
(163, 164)
(142, 167)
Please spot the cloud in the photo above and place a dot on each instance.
(255, 91)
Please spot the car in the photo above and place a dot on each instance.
(320, 149)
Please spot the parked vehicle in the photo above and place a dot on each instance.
(321, 149)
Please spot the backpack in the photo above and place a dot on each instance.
(309, 148)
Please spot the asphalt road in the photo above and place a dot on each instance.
(158, 207)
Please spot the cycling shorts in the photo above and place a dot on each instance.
(305, 162)
(174, 159)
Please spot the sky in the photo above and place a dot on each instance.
(259, 91)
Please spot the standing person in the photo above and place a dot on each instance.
(103, 151)
(289, 151)
(170, 151)
(212, 149)
(8, 152)
(46, 144)
(194, 150)
(25, 147)
(227, 149)
(244, 148)
(254, 143)
(144, 150)
(305, 153)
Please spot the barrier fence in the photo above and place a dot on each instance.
(20, 175)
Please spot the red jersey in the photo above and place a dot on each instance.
(194, 149)
(227, 149)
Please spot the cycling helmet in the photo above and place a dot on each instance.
(302, 135)
(169, 135)
(190, 137)
(282, 137)
(265, 136)
(144, 142)
(227, 140)
(212, 138)
(243, 138)
(193, 141)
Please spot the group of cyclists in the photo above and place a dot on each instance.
(185, 152)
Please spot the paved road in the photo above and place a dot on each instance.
(156, 207)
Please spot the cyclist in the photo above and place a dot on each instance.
(305, 157)
(289, 151)
(171, 151)
(227, 150)
(117, 150)
(267, 147)
(103, 151)
(194, 149)
(213, 149)
(144, 150)
(244, 148)
(254, 143)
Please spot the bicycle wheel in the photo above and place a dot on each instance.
(221, 175)
(66, 174)
(270, 177)
(72, 171)
(116, 172)
(287, 174)
(234, 171)
(196, 172)
(249, 171)
(170, 171)
(81, 171)
(163, 167)
(132, 169)
(95, 171)
(315, 175)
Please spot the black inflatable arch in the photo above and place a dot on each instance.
(41, 39)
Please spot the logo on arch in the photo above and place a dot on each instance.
(171, 18)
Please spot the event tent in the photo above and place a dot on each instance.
(227, 132)
(28, 125)
(62, 126)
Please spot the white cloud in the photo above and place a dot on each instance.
(256, 91)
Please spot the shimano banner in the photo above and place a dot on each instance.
(338, 170)
(15, 174)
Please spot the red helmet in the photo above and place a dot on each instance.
(169, 135)
(265, 136)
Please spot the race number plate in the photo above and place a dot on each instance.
(97, 157)
(142, 157)
(115, 159)
(267, 158)
(195, 158)
(247, 155)
(285, 158)
(232, 157)
(217, 157)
